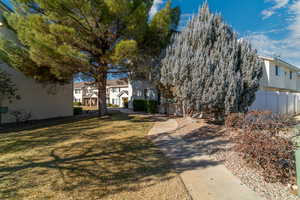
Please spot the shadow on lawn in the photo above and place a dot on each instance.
(85, 156)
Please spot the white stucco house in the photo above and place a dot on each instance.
(279, 87)
(119, 92)
(37, 100)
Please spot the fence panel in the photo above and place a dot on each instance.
(277, 102)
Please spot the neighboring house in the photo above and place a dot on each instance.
(279, 76)
(37, 101)
(279, 87)
(118, 92)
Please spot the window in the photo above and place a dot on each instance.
(291, 75)
(139, 93)
(114, 90)
(77, 91)
(276, 70)
(146, 93)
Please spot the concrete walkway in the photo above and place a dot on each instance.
(204, 178)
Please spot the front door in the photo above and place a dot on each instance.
(125, 102)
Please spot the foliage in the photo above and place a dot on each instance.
(7, 87)
(112, 105)
(262, 147)
(77, 110)
(58, 39)
(77, 103)
(149, 106)
(259, 121)
(208, 69)
(272, 155)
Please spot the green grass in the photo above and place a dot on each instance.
(108, 158)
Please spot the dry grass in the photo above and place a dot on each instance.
(94, 158)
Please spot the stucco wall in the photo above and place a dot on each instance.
(41, 101)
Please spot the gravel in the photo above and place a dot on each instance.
(222, 152)
(252, 177)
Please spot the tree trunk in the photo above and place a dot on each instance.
(101, 83)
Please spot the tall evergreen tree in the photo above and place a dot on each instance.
(60, 38)
(208, 69)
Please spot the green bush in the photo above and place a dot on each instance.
(77, 110)
(139, 105)
(77, 104)
(149, 106)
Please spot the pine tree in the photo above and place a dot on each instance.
(60, 38)
(208, 69)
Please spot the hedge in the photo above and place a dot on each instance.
(149, 106)
(77, 110)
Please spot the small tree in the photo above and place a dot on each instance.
(60, 38)
(208, 69)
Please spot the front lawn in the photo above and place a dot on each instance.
(108, 158)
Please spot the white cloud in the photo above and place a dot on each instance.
(294, 27)
(277, 5)
(155, 7)
(289, 47)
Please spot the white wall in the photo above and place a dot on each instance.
(277, 102)
(282, 81)
(78, 96)
(41, 101)
(115, 95)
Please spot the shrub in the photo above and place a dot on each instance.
(77, 104)
(112, 105)
(149, 106)
(261, 146)
(259, 120)
(139, 105)
(272, 155)
(77, 110)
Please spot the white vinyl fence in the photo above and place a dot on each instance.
(277, 102)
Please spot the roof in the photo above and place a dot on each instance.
(79, 85)
(278, 60)
(117, 82)
(110, 83)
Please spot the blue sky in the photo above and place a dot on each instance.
(272, 26)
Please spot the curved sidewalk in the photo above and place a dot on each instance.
(204, 178)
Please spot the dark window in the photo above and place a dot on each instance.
(276, 70)
(291, 75)
(145, 93)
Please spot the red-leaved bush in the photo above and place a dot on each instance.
(272, 155)
(260, 145)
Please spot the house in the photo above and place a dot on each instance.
(119, 92)
(116, 92)
(38, 101)
(279, 87)
(279, 75)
